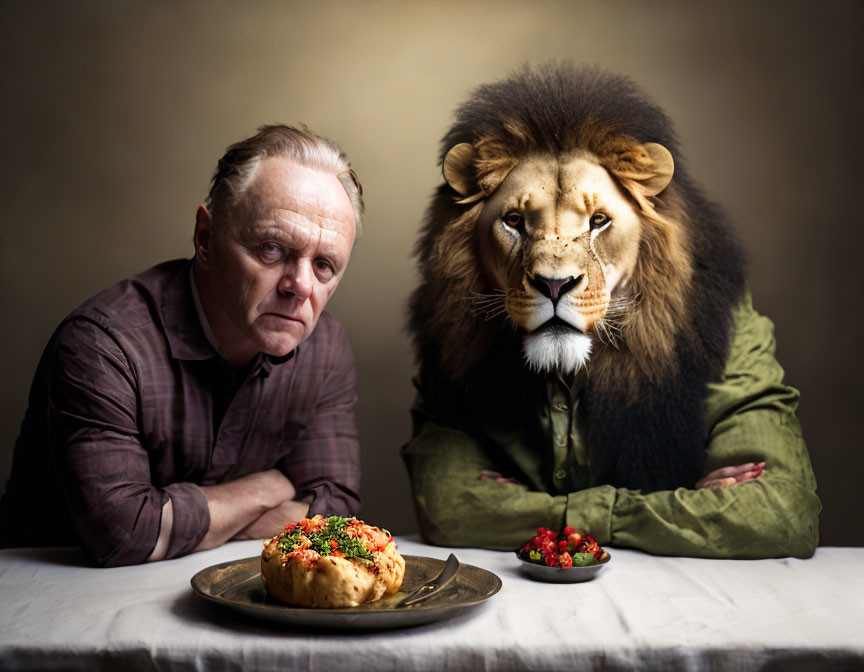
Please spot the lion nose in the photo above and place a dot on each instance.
(554, 288)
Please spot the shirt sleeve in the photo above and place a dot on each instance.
(324, 463)
(454, 506)
(750, 417)
(103, 468)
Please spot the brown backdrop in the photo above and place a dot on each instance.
(115, 114)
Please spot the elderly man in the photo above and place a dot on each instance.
(204, 400)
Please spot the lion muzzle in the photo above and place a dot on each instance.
(592, 305)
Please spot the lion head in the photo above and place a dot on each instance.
(559, 235)
(565, 222)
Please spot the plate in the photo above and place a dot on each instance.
(237, 585)
(559, 575)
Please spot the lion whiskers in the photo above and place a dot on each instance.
(488, 306)
(608, 328)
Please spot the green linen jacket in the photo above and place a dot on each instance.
(749, 417)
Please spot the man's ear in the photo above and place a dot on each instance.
(203, 236)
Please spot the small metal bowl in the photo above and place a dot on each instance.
(561, 575)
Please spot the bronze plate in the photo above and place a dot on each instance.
(237, 585)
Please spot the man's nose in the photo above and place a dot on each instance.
(297, 280)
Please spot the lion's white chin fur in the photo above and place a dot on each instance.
(553, 350)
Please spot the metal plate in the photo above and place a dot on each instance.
(237, 585)
(559, 575)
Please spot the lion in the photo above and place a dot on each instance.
(569, 244)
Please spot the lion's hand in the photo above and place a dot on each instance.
(731, 475)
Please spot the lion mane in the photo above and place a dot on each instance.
(641, 412)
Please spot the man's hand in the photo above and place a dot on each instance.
(731, 475)
(273, 521)
(237, 504)
(274, 487)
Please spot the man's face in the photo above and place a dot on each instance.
(276, 264)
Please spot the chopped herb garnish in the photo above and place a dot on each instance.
(332, 530)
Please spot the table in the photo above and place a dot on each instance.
(642, 612)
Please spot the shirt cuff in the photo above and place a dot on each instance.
(191, 518)
(590, 512)
(322, 500)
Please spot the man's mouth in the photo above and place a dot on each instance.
(287, 318)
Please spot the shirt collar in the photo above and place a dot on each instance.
(202, 318)
(183, 327)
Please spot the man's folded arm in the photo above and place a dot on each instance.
(104, 469)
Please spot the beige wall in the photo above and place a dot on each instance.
(115, 114)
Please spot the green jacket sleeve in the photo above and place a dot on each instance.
(455, 507)
(750, 416)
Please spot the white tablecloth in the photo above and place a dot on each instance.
(642, 612)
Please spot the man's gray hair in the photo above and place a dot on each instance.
(237, 167)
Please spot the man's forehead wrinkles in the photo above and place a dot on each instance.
(289, 228)
(329, 224)
(300, 232)
(330, 241)
(307, 218)
(312, 211)
(293, 219)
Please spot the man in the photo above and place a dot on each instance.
(209, 400)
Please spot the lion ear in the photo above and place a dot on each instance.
(659, 175)
(458, 168)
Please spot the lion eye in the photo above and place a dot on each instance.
(599, 219)
(513, 219)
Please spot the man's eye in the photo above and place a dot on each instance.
(324, 269)
(599, 219)
(270, 252)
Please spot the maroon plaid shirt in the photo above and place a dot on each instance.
(131, 405)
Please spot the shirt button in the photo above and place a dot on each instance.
(560, 474)
(561, 440)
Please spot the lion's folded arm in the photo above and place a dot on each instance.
(751, 416)
(774, 516)
(457, 507)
